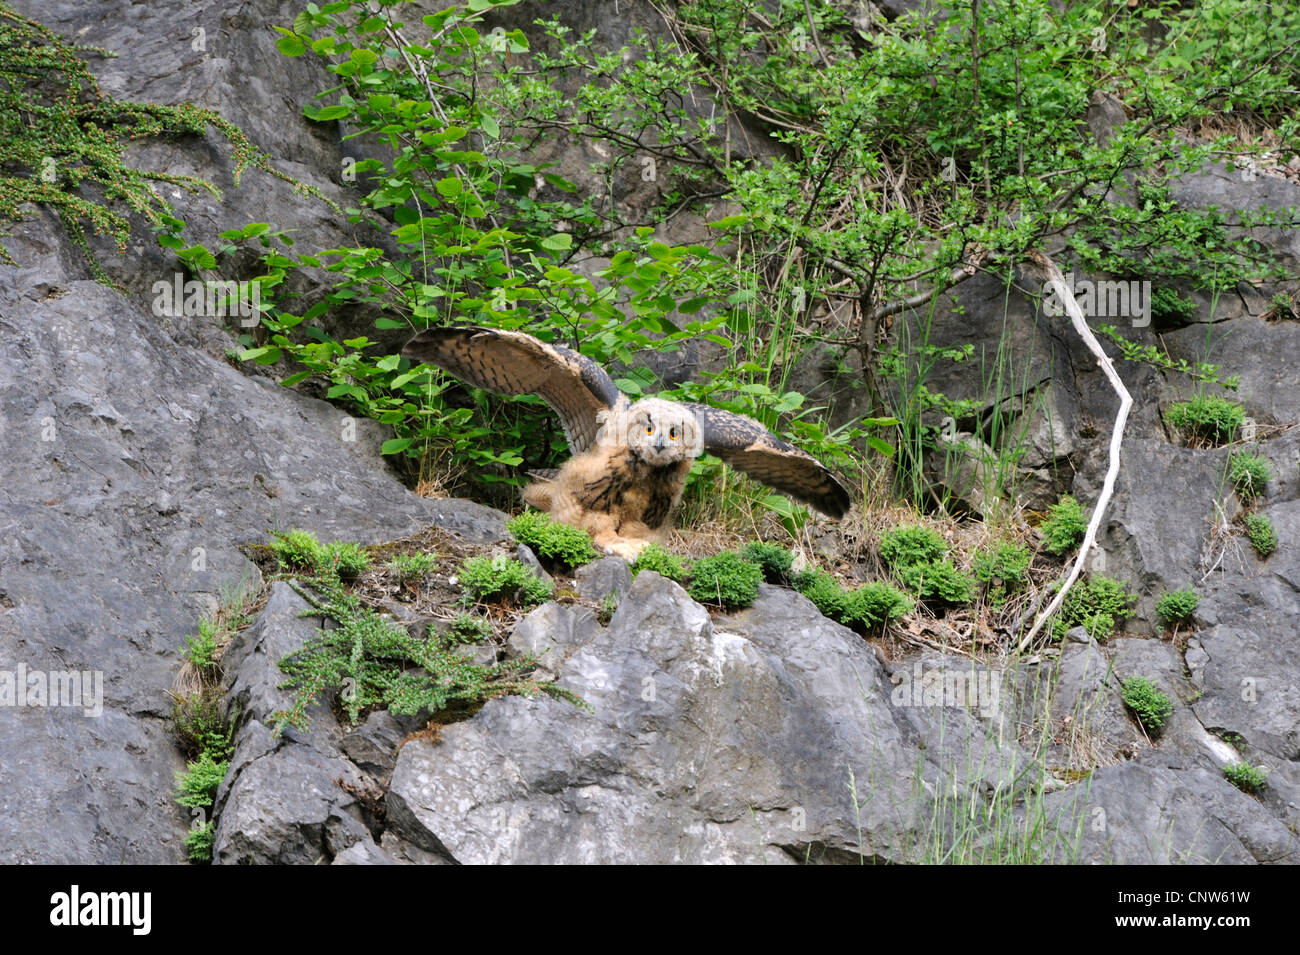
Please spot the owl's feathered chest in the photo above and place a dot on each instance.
(634, 489)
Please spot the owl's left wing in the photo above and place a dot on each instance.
(747, 446)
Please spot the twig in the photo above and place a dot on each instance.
(1066, 297)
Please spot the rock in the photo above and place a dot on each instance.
(600, 578)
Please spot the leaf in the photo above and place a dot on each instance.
(291, 45)
(393, 445)
(451, 187)
(558, 242)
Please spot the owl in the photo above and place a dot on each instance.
(630, 459)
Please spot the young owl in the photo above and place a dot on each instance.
(630, 460)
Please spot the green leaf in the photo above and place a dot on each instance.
(450, 187)
(558, 242)
(393, 445)
(291, 45)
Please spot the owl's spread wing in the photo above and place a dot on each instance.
(747, 446)
(513, 363)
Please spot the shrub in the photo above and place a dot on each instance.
(1007, 562)
(830, 599)
(1245, 777)
(874, 604)
(502, 578)
(1262, 536)
(343, 559)
(410, 567)
(655, 558)
(1148, 703)
(1098, 605)
(198, 784)
(552, 541)
(772, 558)
(199, 841)
(1170, 308)
(199, 725)
(1177, 606)
(937, 582)
(385, 665)
(201, 649)
(905, 546)
(467, 628)
(1249, 473)
(726, 579)
(1207, 419)
(1064, 527)
(296, 550)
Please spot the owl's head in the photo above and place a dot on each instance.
(661, 432)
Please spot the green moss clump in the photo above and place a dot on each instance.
(938, 582)
(655, 558)
(1177, 606)
(1098, 604)
(1007, 563)
(864, 608)
(830, 599)
(553, 542)
(725, 579)
(1249, 474)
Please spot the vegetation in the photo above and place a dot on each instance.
(1002, 569)
(487, 579)
(375, 662)
(937, 582)
(301, 551)
(558, 544)
(865, 608)
(1249, 474)
(1247, 778)
(1098, 604)
(1065, 526)
(655, 558)
(725, 579)
(1177, 607)
(1151, 706)
(1207, 420)
(905, 546)
(1260, 533)
(774, 559)
(412, 567)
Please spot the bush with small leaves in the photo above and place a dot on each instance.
(773, 558)
(725, 579)
(830, 599)
(1007, 562)
(468, 628)
(1098, 604)
(608, 606)
(1247, 778)
(552, 541)
(199, 841)
(1249, 473)
(1262, 536)
(655, 558)
(201, 649)
(411, 567)
(874, 604)
(1207, 420)
(1151, 706)
(1168, 308)
(1064, 527)
(487, 579)
(345, 560)
(937, 582)
(198, 784)
(904, 546)
(297, 550)
(1177, 606)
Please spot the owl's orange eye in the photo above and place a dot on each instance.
(672, 434)
(649, 429)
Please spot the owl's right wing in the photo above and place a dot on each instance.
(514, 363)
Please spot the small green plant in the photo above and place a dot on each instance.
(296, 550)
(411, 567)
(1065, 526)
(1177, 607)
(1098, 604)
(552, 541)
(1168, 308)
(1262, 536)
(382, 664)
(874, 604)
(904, 546)
(1207, 420)
(1249, 473)
(1151, 706)
(469, 628)
(937, 582)
(201, 649)
(1007, 562)
(1247, 778)
(198, 784)
(655, 558)
(824, 591)
(608, 606)
(488, 579)
(773, 558)
(200, 725)
(344, 559)
(199, 841)
(726, 579)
